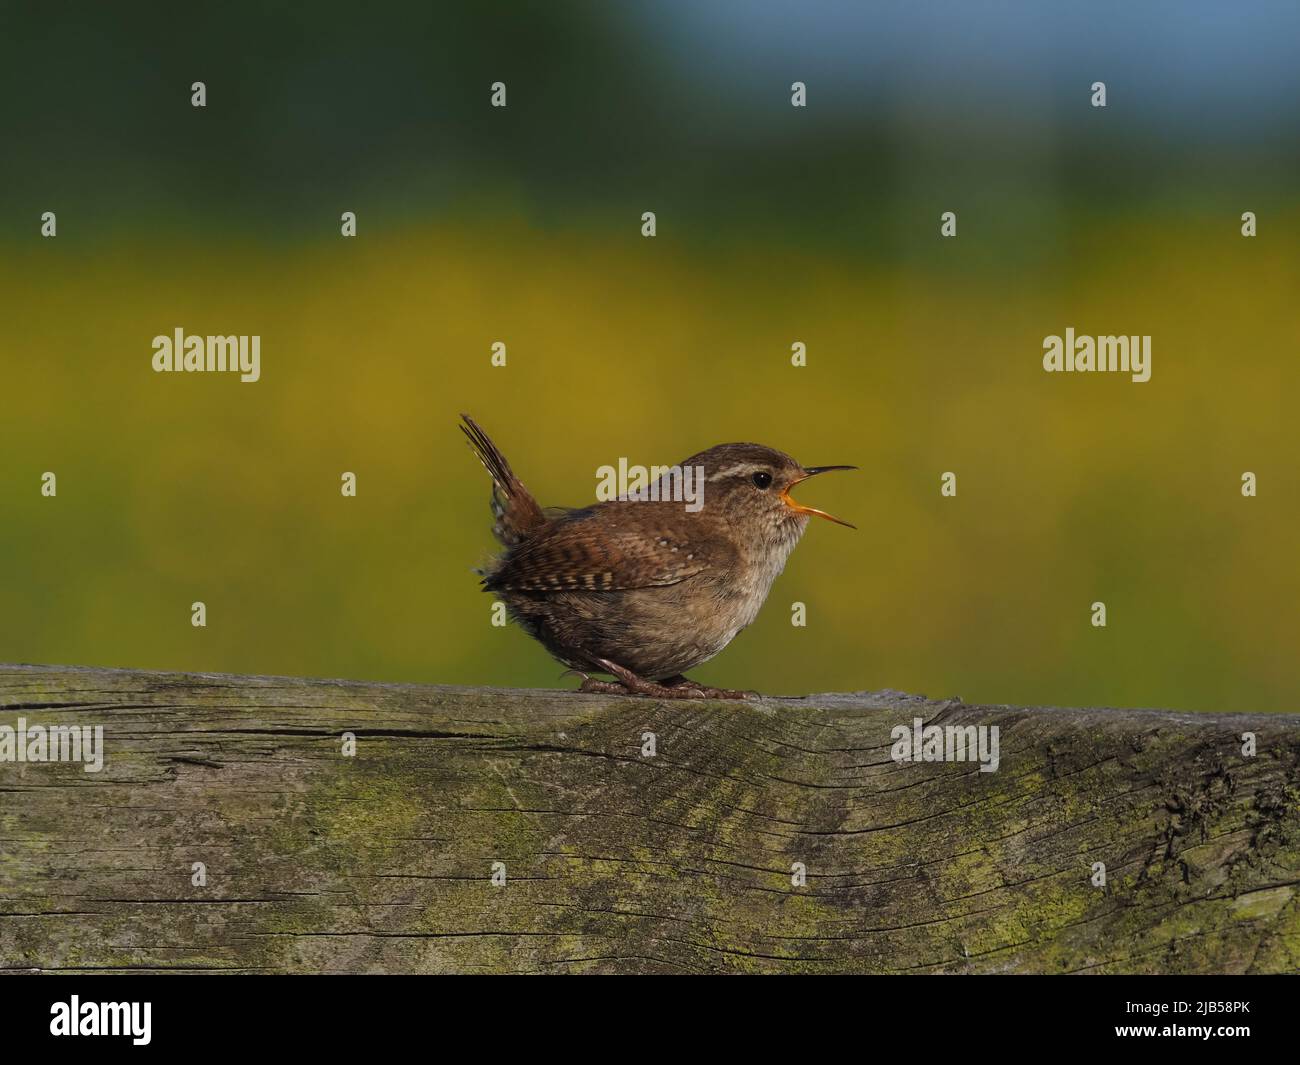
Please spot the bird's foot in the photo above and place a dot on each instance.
(629, 683)
(700, 691)
(677, 687)
(593, 686)
(601, 687)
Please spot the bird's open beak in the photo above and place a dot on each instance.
(799, 508)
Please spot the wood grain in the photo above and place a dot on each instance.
(617, 862)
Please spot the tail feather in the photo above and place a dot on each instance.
(515, 512)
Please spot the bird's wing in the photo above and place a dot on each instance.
(591, 550)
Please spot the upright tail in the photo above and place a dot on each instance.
(516, 512)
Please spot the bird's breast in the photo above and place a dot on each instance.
(753, 577)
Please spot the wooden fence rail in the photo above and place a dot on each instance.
(229, 830)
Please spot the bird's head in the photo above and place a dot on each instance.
(748, 485)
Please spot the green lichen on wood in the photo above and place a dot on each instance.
(619, 862)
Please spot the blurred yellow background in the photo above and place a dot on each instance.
(924, 356)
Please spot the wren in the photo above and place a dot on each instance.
(643, 590)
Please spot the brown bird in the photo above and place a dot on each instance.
(644, 590)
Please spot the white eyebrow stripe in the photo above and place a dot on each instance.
(740, 467)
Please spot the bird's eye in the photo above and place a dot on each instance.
(763, 480)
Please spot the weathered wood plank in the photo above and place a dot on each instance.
(619, 862)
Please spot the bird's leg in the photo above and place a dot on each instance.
(677, 687)
(602, 687)
(629, 683)
(593, 686)
(708, 693)
(635, 685)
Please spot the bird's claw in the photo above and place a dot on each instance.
(602, 687)
(628, 683)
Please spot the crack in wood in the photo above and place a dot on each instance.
(318, 862)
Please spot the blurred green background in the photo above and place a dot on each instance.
(776, 224)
